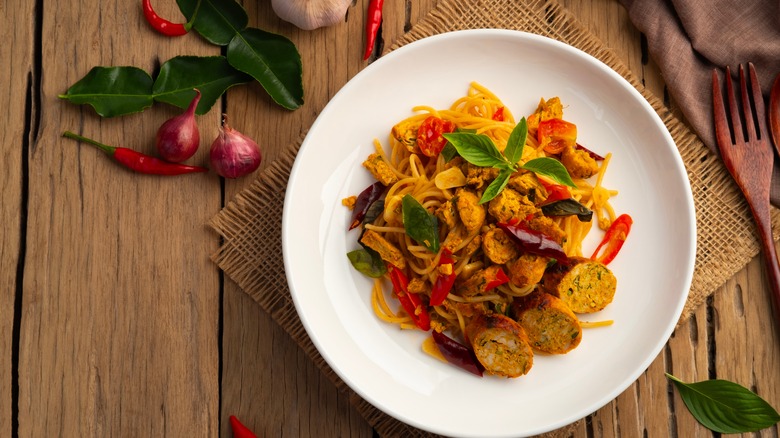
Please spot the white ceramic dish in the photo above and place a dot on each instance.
(386, 365)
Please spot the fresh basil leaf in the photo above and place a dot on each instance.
(448, 152)
(420, 224)
(551, 168)
(477, 149)
(725, 407)
(217, 20)
(496, 185)
(212, 75)
(367, 262)
(516, 142)
(271, 59)
(113, 91)
(568, 207)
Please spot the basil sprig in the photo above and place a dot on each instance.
(725, 407)
(479, 150)
(420, 224)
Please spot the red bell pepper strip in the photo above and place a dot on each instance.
(373, 21)
(239, 430)
(458, 354)
(534, 242)
(499, 279)
(554, 135)
(409, 301)
(443, 285)
(613, 240)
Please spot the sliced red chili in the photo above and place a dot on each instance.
(534, 242)
(137, 161)
(554, 135)
(458, 354)
(499, 114)
(429, 135)
(555, 192)
(613, 239)
(443, 285)
(409, 301)
(239, 430)
(364, 201)
(498, 280)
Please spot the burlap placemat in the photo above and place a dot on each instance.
(251, 254)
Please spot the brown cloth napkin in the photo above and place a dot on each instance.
(690, 38)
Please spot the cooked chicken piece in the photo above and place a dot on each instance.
(447, 214)
(509, 204)
(406, 134)
(549, 323)
(470, 211)
(498, 247)
(389, 252)
(380, 169)
(471, 247)
(477, 283)
(526, 270)
(477, 176)
(579, 163)
(586, 286)
(500, 344)
(527, 184)
(548, 227)
(550, 109)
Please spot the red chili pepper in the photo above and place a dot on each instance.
(164, 26)
(499, 114)
(429, 135)
(137, 161)
(364, 200)
(443, 285)
(592, 154)
(534, 242)
(500, 278)
(409, 301)
(555, 192)
(613, 240)
(555, 134)
(373, 21)
(458, 354)
(239, 430)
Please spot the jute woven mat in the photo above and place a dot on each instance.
(251, 224)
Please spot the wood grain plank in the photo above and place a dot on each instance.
(120, 298)
(17, 31)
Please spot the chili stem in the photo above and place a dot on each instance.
(188, 25)
(104, 147)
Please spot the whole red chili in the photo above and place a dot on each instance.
(239, 430)
(137, 161)
(164, 26)
(373, 20)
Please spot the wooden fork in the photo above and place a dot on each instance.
(749, 157)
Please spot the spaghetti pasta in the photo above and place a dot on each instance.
(491, 272)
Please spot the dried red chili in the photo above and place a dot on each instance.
(239, 430)
(373, 21)
(164, 26)
(458, 354)
(137, 161)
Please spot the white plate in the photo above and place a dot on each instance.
(386, 365)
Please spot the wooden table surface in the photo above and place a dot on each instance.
(114, 321)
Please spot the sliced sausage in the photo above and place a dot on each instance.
(549, 323)
(586, 286)
(500, 344)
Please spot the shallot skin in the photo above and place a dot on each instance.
(233, 154)
(178, 138)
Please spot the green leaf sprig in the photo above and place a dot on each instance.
(270, 59)
(420, 224)
(724, 406)
(479, 150)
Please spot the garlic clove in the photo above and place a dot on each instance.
(311, 14)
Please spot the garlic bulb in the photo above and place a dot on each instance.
(311, 14)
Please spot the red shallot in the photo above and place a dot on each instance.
(233, 154)
(178, 138)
